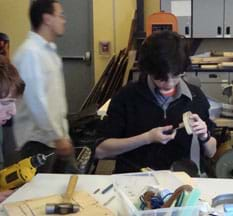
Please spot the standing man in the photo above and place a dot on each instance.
(41, 125)
(142, 114)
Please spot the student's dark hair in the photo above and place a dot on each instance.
(10, 81)
(37, 9)
(164, 53)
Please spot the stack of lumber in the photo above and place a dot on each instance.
(110, 81)
(225, 61)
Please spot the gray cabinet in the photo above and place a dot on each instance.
(228, 22)
(231, 78)
(202, 18)
(182, 10)
(213, 83)
(212, 18)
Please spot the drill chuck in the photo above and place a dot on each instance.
(38, 160)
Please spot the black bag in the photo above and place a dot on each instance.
(85, 131)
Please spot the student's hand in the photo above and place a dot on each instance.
(5, 194)
(198, 126)
(160, 135)
(64, 147)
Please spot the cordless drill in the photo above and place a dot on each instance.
(21, 172)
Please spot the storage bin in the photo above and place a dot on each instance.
(129, 187)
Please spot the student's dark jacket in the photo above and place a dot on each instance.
(134, 110)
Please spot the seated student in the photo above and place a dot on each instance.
(11, 87)
(141, 113)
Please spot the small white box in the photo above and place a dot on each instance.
(130, 186)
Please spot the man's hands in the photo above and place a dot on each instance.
(5, 194)
(159, 135)
(64, 147)
(198, 126)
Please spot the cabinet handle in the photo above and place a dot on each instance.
(187, 30)
(228, 30)
(219, 30)
(213, 76)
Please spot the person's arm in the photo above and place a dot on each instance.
(199, 128)
(115, 146)
(64, 146)
(210, 147)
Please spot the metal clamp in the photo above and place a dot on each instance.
(222, 199)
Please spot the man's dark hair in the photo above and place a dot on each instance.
(164, 53)
(37, 9)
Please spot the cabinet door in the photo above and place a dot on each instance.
(228, 24)
(213, 83)
(208, 18)
(214, 77)
(231, 78)
(214, 91)
(182, 10)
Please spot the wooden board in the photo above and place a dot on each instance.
(131, 61)
(228, 54)
(224, 122)
(209, 67)
(36, 207)
(210, 60)
(226, 64)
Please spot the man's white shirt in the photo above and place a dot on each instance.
(41, 113)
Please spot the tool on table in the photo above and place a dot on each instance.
(66, 207)
(96, 191)
(21, 172)
(61, 208)
(109, 200)
(107, 189)
(70, 188)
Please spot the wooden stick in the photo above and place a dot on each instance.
(70, 188)
(186, 122)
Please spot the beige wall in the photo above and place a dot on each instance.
(112, 20)
(14, 21)
(151, 6)
(103, 31)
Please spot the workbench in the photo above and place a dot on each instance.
(49, 184)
